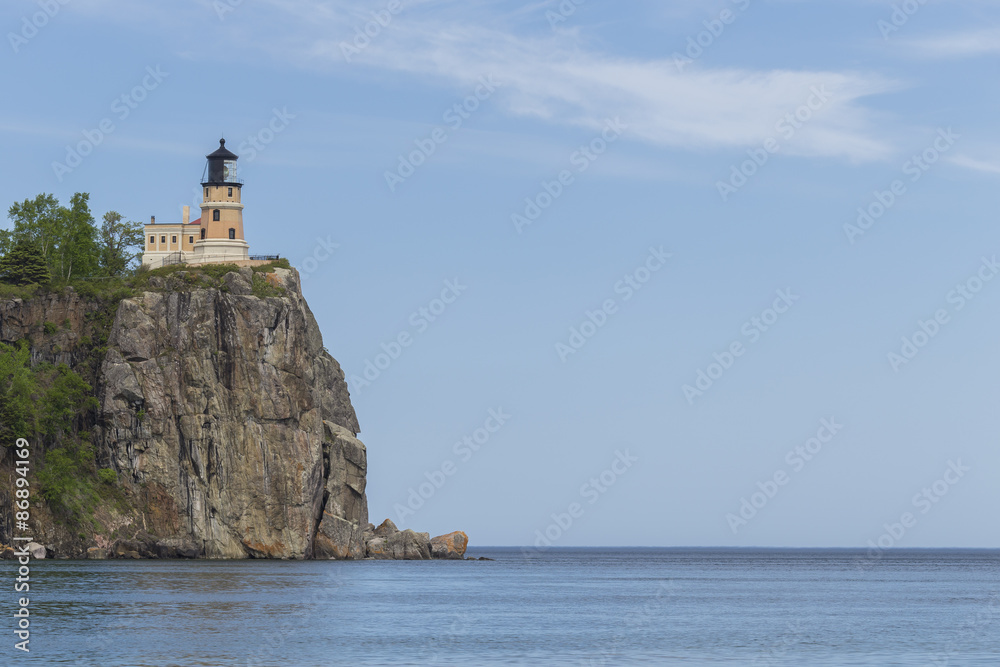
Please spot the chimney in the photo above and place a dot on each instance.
(152, 219)
(186, 215)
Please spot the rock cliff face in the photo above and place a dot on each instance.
(227, 410)
(228, 423)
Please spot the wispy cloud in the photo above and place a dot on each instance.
(967, 44)
(976, 164)
(557, 77)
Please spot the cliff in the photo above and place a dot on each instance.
(228, 425)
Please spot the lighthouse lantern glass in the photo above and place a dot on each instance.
(229, 173)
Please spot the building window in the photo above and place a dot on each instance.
(163, 239)
(173, 239)
(206, 193)
(152, 240)
(203, 233)
(232, 233)
(230, 192)
(215, 215)
(190, 239)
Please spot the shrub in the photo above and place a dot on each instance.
(66, 478)
(107, 476)
(263, 288)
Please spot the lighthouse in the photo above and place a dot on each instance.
(215, 238)
(221, 235)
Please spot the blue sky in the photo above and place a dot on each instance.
(739, 138)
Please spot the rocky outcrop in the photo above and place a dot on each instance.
(228, 408)
(451, 546)
(228, 424)
(389, 543)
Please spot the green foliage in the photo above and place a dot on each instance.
(17, 390)
(271, 266)
(24, 292)
(263, 288)
(35, 219)
(24, 264)
(66, 399)
(65, 238)
(66, 478)
(107, 476)
(49, 328)
(121, 244)
(77, 253)
(114, 289)
(141, 415)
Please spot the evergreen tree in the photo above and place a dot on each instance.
(24, 264)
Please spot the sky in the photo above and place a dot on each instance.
(641, 273)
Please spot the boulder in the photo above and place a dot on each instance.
(400, 545)
(409, 545)
(177, 548)
(96, 553)
(376, 548)
(450, 546)
(386, 529)
(36, 550)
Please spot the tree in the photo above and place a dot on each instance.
(65, 236)
(24, 264)
(37, 219)
(120, 242)
(17, 386)
(76, 252)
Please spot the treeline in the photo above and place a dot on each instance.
(47, 404)
(52, 405)
(49, 242)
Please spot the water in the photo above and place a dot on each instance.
(564, 607)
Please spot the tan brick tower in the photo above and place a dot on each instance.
(221, 235)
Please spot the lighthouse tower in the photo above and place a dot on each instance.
(221, 234)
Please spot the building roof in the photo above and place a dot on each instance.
(173, 224)
(223, 152)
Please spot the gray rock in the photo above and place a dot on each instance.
(386, 529)
(176, 548)
(36, 550)
(96, 553)
(247, 442)
(236, 283)
(402, 545)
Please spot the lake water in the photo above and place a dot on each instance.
(562, 607)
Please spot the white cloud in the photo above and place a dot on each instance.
(556, 77)
(976, 164)
(956, 45)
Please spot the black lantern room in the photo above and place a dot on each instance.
(221, 167)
